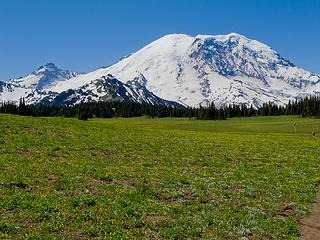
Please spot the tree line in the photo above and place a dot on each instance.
(307, 107)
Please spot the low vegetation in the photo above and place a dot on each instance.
(139, 178)
(307, 107)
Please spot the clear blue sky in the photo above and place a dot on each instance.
(82, 35)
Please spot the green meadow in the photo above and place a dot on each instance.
(139, 178)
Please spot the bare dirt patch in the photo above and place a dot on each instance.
(158, 220)
(78, 234)
(285, 211)
(310, 225)
(32, 130)
(257, 236)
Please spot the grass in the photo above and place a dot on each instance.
(246, 178)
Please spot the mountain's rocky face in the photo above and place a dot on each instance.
(106, 88)
(190, 70)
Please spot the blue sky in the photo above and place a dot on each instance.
(84, 35)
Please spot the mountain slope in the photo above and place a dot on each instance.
(106, 88)
(197, 70)
(12, 92)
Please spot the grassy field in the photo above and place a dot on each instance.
(249, 178)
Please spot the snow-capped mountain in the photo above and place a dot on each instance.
(44, 78)
(106, 88)
(189, 70)
(34, 86)
(197, 70)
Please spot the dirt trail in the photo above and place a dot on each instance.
(310, 225)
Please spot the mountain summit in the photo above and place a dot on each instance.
(44, 78)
